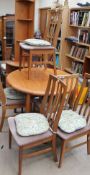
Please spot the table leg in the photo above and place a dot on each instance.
(28, 103)
(88, 144)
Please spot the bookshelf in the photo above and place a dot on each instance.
(77, 41)
(24, 22)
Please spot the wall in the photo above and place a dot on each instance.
(7, 7)
(36, 22)
(48, 3)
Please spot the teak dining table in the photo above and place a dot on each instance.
(35, 86)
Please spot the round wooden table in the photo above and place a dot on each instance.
(36, 85)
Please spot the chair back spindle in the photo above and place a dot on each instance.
(53, 101)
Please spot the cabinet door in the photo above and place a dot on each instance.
(8, 36)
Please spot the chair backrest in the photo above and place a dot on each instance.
(53, 101)
(53, 26)
(3, 106)
(71, 80)
(85, 106)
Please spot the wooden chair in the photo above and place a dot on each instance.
(28, 51)
(53, 25)
(51, 108)
(85, 112)
(7, 102)
(71, 80)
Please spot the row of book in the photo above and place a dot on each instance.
(81, 18)
(77, 67)
(84, 36)
(78, 52)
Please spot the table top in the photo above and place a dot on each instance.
(37, 83)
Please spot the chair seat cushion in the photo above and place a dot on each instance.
(71, 121)
(37, 42)
(12, 94)
(31, 124)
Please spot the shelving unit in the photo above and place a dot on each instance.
(79, 27)
(24, 22)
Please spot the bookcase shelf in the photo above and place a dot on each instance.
(83, 44)
(24, 22)
(69, 70)
(74, 58)
(80, 43)
(79, 28)
(27, 20)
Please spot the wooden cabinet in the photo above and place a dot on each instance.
(24, 22)
(78, 41)
(8, 25)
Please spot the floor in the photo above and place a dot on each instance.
(75, 162)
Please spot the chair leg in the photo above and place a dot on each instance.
(20, 161)
(15, 110)
(22, 111)
(62, 153)
(54, 148)
(88, 144)
(10, 139)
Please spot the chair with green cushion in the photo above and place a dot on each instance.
(34, 129)
(74, 123)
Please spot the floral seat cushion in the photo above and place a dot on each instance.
(37, 42)
(31, 124)
(12, 94)
(71, 121)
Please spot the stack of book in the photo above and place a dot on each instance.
(77, 67)
(84, 36)
(78, 52)
(81, 18)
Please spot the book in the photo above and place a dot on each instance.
(85, 19)
(88, 21)
(72, 50)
